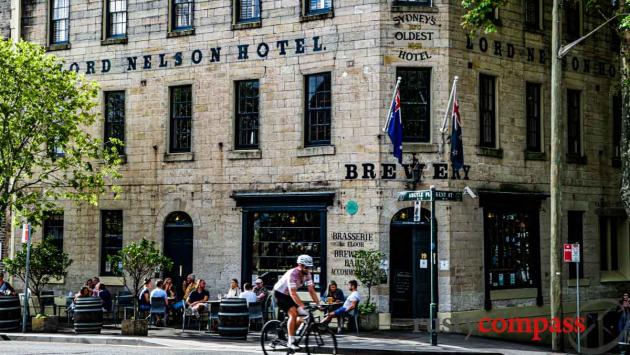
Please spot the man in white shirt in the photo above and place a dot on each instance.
(249, 295)
(350, 303)
(159, 292)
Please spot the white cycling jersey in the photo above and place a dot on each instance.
(293, 278)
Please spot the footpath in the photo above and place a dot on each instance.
(379, 342)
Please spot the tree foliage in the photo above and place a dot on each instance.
(367, 269)
(46, 152)
(136, 261)
(46, 263)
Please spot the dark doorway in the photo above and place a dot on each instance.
(410, 265)
(178, 245)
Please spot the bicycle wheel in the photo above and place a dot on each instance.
(273, 337)
(321, 340)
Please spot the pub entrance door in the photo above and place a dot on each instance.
(178, 246)
(410, 265)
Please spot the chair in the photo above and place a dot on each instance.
(158, 306)
(124, 300)
(188, 313)
(47, 299)
(270, 308)
(66, 307)
(352, 314)
(213, 316)
(255, 313)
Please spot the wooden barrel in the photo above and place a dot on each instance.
(88, 315)
(233, 318)
(10, 313)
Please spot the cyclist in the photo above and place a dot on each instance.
(285, 292)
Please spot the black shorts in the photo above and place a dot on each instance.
(284, 301)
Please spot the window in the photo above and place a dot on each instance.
(247, 10)
(115, 119)
(116, 14)
(111, 237)
(532, 14)
(60, 22)
(616, 132)
(572, 19)
(415, 103)
(182, 14)
(413, 2)
(574, 130)
(532, 112)
(609, 243)
(487, 111)
(181, 118)
(318, 109)
(511, 239)
(53, 229)
(318, 6)
(575, 235)
(247, 114)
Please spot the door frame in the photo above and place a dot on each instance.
(167, 227)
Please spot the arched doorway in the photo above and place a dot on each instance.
(410, 264)
(178, 245)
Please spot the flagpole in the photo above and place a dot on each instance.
(446, 113)
(389, 112)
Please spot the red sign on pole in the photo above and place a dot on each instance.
(571, 253)
(25, 233)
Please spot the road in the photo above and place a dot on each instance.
(27, 347)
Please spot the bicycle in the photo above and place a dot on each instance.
(318, 338)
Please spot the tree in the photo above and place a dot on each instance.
(137, 261)
(46, 263)
(367, 268)
(46, 152)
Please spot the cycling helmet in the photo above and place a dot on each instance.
(305, 260)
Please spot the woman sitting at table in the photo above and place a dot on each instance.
(333, 292)
(234, 290)
(144, 299)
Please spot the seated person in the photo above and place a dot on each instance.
(333, 292)
(90, 284)
(84, 292)
(5, 287)
(349, 304)
(188, 286)
(234, 291)
(197, 299)
(144, 301)
(159, 292)
(105, 296)
(261, 291)
(249, 295)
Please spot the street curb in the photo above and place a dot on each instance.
(72, 339)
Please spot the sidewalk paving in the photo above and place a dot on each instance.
(379, 342)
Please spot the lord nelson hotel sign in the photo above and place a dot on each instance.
(241, 52)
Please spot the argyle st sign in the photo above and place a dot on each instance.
(368, 171)
(261, 50)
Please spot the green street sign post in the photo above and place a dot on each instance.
(431, 195)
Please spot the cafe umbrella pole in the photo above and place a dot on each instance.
(432, 311)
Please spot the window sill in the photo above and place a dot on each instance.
(612, 276)
(246, 25)
(244, 154)
(490, 152)
(540, 156)
(58, 47)
(575, 159)
(175, 157)
(317, 16)
(315, 151)
(116, 40)
(583, 281)
(514, 293)
(402, 6)
(616, 162)
(180, 33)
(411, 147)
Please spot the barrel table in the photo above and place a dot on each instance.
(88, 315)
(10, 313)
(233, 318)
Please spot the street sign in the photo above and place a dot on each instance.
(25, 233)
(420, 195)
(571, 253)
(448, 195)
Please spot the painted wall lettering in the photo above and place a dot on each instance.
(368, 171)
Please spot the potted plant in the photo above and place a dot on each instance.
(46, 263)
(367, 269)
(135, 262)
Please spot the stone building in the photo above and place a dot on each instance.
(253, 133)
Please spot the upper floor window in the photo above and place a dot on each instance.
(111, 237)
(574, 129)
(60, 22)
(248, 10)
(576, 235)
(572, 19)
(533, 14)
(315, 6)
(116, 17)
(182, 14)
(318, 107)
(247, 114)
(532, 112)
(415, 103)
(487, 111)
(115, 119)
(616, 132)
(53, 229)
(181, 119)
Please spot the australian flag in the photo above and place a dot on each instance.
(395, 128)
(457, 147)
